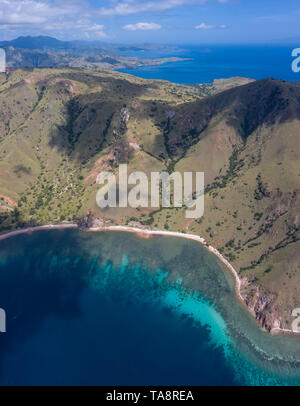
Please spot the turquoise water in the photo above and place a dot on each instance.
(110, 308)
(209, 62)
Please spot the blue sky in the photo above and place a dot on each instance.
(154, 21)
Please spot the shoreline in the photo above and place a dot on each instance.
(147, 232)
(37, 228)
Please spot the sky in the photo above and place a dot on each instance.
(153, 21)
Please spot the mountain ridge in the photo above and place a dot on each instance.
(36, 42)
(247, 108)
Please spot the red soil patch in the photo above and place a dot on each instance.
(9, 200)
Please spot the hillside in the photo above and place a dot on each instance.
(60, 127)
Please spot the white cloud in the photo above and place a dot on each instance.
(101, 34)
(94, 27)
(97, 29)
(142, 26)
(75, 18)
(19, 12)
(133, 7)
(204, 26)
(30, 16)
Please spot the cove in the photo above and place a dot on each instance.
(109, 308)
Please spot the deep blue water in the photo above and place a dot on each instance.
(211, 62)
(112, 309)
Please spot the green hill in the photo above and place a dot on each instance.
(60, 127)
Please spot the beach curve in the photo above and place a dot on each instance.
(147, 232)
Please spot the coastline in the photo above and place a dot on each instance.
(37, 228)
(148, 233)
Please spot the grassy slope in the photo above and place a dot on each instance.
(60, 128)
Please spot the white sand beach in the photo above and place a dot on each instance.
(37, 228)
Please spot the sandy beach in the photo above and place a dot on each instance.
(148, 233)
(178, 235)
(37, 228)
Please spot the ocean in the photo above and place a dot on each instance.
(209, 62)
(110, 308)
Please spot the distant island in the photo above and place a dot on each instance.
(48, 52)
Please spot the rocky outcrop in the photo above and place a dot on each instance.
(260, 304)
(91, 221)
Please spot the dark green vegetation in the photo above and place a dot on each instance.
(60, 127)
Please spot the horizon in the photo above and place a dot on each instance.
(282, 42)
